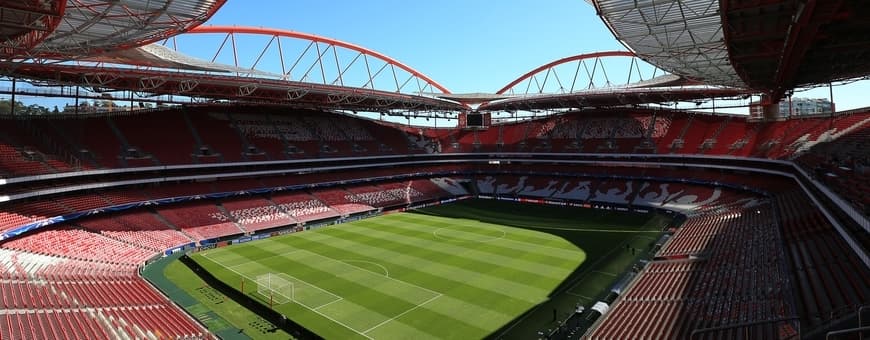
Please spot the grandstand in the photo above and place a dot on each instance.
(769, 235)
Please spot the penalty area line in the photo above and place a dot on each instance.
(403, 313)
(301, 304)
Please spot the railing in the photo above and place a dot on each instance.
(849, 331)
(699, 331)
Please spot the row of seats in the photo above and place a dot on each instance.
(14, 214)
(831, 281)
(164, 227)
(53, 297)
(843, 164)
(639, 131)
(750, 252)
(746, 241)
(675, 196)
(190, 136)
(218, 134)
(79, 280)
(717, 270)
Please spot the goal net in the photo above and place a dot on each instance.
(275, 288)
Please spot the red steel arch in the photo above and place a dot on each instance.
(320, 39)
(576, 58)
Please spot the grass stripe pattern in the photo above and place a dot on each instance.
(430, 274)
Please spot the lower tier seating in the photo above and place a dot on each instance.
(53, 297)
(737, 274)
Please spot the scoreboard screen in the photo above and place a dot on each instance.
(474, 120)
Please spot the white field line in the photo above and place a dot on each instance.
(604, 273)
(306, 282)
(386, 271)
(448, 239)
(597, 230)
(269, 257)
(570, 289)
(379, 274)
(403, 313)
(607, 255)
(328, 303)
(303, 305)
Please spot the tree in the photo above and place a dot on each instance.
(21, 109)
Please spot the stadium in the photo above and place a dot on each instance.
(203, 181)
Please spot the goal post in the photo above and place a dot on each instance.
(275, 288)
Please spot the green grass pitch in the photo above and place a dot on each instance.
(461, 271)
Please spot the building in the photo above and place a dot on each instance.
(805, 106)
(795, 107)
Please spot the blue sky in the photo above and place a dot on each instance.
(466, 45)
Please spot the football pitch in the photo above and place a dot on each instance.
(460, 271)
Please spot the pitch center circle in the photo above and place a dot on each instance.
(462, 233)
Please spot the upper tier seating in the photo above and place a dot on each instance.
(230, 134)
(844, 165)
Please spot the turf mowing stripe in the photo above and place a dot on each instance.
(346, 265)
(321, 314)
(409, 257)
(417, 218)
(339, 271)
(369, 290)
(553, 250)
(356, 309)
(505, 269)
(467, 251)
(403, 313)
(508, 245)
(540, 215)
(516, 234)
(451, 286)
(598, 230)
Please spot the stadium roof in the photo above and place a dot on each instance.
(71, 29)
(735, 47)
(771, 46)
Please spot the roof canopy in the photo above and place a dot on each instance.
(684, 37)
(90, 27)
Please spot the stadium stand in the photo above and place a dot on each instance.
(717, 270)
(200, 220)
(342, 201)
(673, 296)
(199, 135)
(52, 297)
(303, 207)
(831, 282)
(255, 213)
(72, 242)
(140, 228)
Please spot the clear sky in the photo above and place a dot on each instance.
(466, 45)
